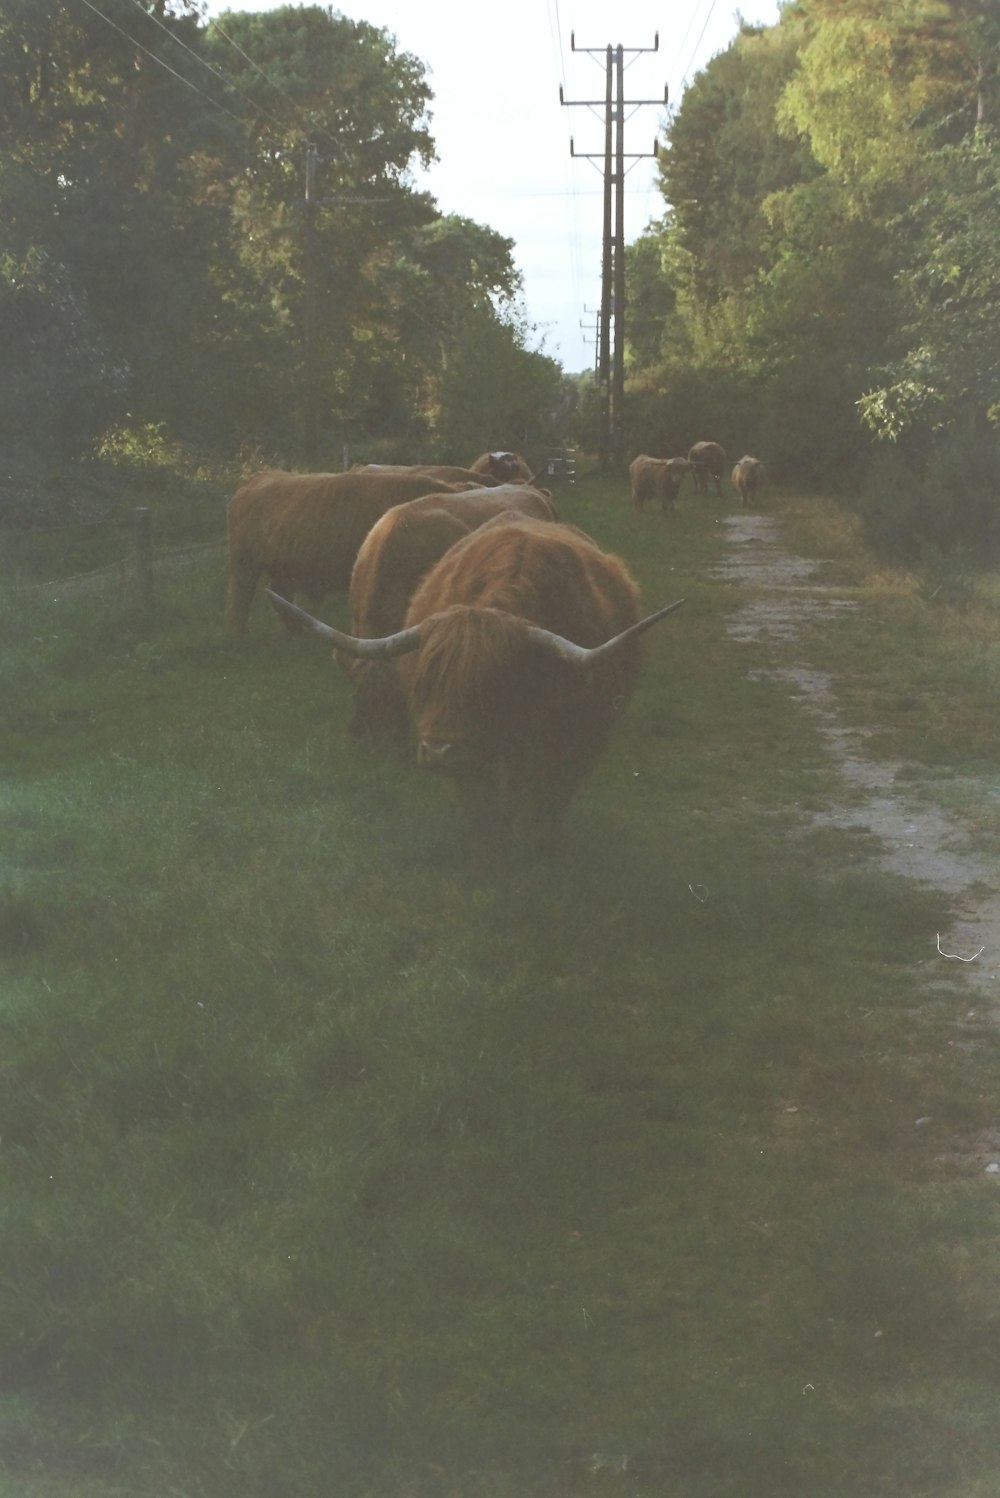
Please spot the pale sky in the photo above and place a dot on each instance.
(503, 138)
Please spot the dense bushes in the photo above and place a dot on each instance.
(830, 247)
(916, 506)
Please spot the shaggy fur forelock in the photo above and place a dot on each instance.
(466, 660)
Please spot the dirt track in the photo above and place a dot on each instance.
(917, 838)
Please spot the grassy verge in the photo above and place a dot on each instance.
(335, 1162)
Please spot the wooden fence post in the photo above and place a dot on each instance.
(143, 563)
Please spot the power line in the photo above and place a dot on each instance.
(216, 72)
(687, 32)
(172, 71)
(697, 44)
(573, 225)
(611, 384)
(271, 83)
(259, 109)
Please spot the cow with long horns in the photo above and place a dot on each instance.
(398, 552)
(519, 651)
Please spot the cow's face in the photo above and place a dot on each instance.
(456, 738)
(463, 688)
(504, 466)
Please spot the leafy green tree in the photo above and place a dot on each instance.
(174, 192)
(495, 392)
(949, 376)
(654, 331)
(895, 102)
(725, 156)
(96, 217)
(316, 77)
(831, 195)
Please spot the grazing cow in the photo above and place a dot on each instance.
(748, 475)
(652, 478)
(503, 468)
(709, 460)
(303, 530)
(398, 551)
(519, 652)
(446, 471)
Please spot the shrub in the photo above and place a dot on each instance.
(943, 503)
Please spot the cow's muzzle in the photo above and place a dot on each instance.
(431, 756)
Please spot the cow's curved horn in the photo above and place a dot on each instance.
(580, 655)
(369, 650)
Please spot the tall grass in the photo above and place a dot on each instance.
(337, 1161)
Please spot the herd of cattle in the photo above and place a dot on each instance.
(504, 640)
(661, 478)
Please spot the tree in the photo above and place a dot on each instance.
(157, 253)
(948, 378)
(725, 156)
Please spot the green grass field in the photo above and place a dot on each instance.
(340, 1164)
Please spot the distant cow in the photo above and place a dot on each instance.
(303, 530)
(748, 475)
(709, 461)
(397, 553)
(503, 468)
(519, 651)
(657, 478)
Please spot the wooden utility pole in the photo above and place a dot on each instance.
(607, 305)
(595, 313)
(310, 414)
(611, 381)
(142, 565)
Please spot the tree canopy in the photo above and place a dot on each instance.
(178, 196)
(825, 275)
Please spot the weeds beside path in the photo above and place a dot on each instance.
(915, 834)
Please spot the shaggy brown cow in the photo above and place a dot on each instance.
(652, 478)
(709, 460)
(503, 468)
(518, 655)
(448, 472)
(398, 551)
(748, 475)
(303, 530)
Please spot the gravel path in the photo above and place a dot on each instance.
(917, 838)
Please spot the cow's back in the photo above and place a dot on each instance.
(550, 574)
(711, 455)
(502, 467)
(405, 543)
(478, 664)
(314, 523)
(304, 530)
(450, 473)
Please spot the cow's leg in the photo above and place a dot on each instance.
(239, 595)
(283, 584)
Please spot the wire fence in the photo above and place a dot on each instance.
(137, 568)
